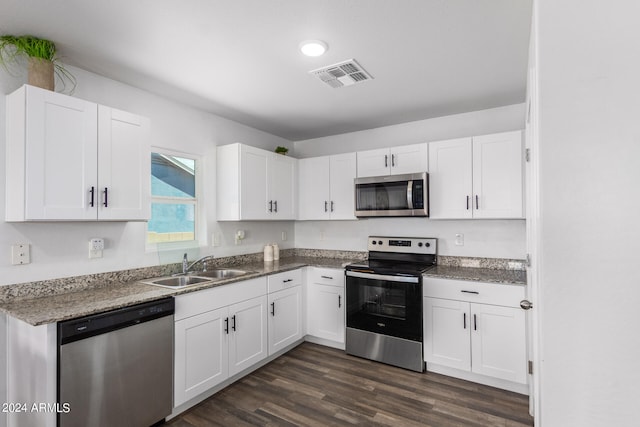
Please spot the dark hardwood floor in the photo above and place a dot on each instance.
(314, 385)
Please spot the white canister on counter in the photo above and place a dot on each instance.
(268, 253)
(276, 252)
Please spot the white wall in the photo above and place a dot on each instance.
(60, 249)
(482, 238)
(589, 148)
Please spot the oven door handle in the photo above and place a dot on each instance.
(388, 278)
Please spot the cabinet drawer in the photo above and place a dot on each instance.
(284, 280)
(327, 276)
(213, 298)
(508, 295)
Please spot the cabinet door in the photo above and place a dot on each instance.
(409, 159)
(201, 354)
(325, 311)
(450, 185)
(313, 188)
(285, 318)
(281, 172)
(497, 176)
(248, 333)
(373, 162)
(60, 156)
(253, 183)
(124, 171)
(498, 342)
(342, 173)
(446, 326)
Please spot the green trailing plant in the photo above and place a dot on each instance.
(12, 48)
(281, 150)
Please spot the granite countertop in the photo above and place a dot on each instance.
(518, 277)
(58, 307)
(49, 305)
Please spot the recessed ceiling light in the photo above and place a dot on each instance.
(313, 47)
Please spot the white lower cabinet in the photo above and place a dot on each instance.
(285, 318)
(475, 327)
(219, 332)
(285, 309)
(325, 304)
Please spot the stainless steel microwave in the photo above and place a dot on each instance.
(392, 195)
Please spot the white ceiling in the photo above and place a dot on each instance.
(240, 59)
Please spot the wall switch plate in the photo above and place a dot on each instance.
(459, 239)
(20, 254)
(96, 246)
(215, 238)
(284, 236)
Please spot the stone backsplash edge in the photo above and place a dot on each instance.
(43, 288)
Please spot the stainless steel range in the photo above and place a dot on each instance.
(384, 300)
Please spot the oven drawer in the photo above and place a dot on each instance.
(284, 280)
(508, 295)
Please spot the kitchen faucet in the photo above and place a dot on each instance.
(186, 266)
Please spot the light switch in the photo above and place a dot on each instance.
(20, 254)
(96, 246)
(459, 239)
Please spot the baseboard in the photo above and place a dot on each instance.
(325, 342)
(477, 378)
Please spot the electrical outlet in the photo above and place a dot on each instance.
(284, 236)
(322, 235)
(96, 246)
(459, 239)
(20, 254)
(215, 238)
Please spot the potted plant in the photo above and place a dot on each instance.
(282, 150)
(43, 64)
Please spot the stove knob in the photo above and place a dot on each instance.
(379, 242)
(420, 244)
(427, 244)
(373, 242)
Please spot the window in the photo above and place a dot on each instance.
(173, 199)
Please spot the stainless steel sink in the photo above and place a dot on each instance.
(220, 273)
(195, 278)
(177, 281)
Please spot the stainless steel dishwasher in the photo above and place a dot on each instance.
(116, 368)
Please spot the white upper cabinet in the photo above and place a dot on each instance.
(70, 159)
(393, 161)
(479, 177)
(254, 184)
(326, 187)
(450, 179)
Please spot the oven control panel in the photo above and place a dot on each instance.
(410, 245)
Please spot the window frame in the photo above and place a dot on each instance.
(196, 202)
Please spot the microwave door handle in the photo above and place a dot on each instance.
(409, 194)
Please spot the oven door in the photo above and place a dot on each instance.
(388, 305)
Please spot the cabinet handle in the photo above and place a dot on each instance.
(393, 160)
(470, 292)
(226, 326)
(273, 309)
(106, 197)
(332, 206)
(325, 206)
(287, 281)
(233, 326)
(93, 193)
(475, 323)
(327, 277)
(464, 321)
(270, 205)
(477, 204)
(386, 163)
(339, 301)
(467, 202)
(275, 206)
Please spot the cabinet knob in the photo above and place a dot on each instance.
(526, 304)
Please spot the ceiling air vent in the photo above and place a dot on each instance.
(342, 74)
